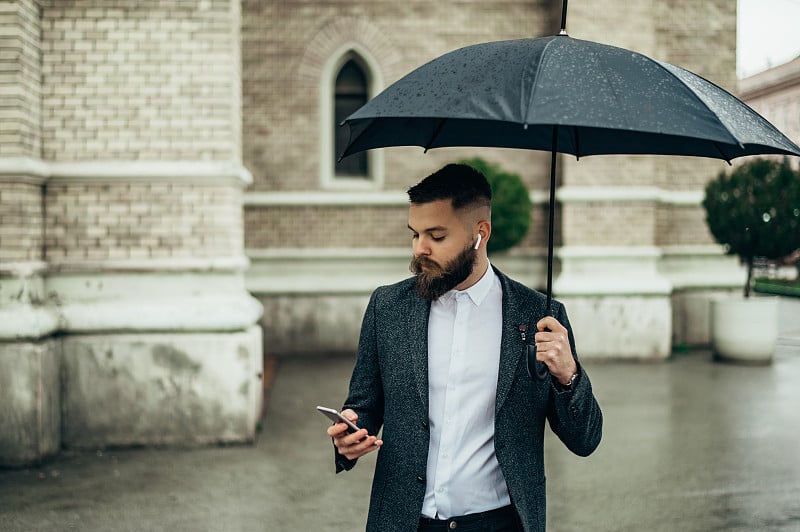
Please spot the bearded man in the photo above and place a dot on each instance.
(442, 368)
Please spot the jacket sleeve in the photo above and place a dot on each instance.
(366, 389)
(574, 415)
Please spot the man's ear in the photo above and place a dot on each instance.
(484, 230)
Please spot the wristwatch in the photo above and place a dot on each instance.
(568, 386)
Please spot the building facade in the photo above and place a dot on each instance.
(636, 261)
(775, 95)
(171, 207)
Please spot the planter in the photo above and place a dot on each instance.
(744, 330)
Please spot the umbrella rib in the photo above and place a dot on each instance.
(698, 98)
(534, 83)
(724, 155)
(436, 132)
(350, 140)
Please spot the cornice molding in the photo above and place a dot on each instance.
(579, 194)
(36, 171)
(390, 198)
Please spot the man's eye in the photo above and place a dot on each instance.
(437, 238)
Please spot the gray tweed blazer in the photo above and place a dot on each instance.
(389, 389)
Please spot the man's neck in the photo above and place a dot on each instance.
(478, 271)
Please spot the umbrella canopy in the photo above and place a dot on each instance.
(562, 95)
(604, 100)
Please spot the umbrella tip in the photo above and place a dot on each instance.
(563, 32)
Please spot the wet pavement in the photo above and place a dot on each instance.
(689, 445)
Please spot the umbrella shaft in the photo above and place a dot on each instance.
(552, 217)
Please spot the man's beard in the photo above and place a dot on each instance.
(437, 281)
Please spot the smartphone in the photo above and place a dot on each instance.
(337, 417)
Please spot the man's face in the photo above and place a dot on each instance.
(442, 247)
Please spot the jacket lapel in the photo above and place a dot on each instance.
(418, 345)
(517, 310)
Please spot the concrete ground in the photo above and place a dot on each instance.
(689, 445)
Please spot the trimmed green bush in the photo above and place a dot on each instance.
(780, 287)
(754, 211)
(511, 205)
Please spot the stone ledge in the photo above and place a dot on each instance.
(36, 171)
(161, 389)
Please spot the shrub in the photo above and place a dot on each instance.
(511, 205)
(755, 211)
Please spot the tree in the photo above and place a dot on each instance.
(755, 211)
(511, 205)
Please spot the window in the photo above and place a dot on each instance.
(350, 93)
(348, 79)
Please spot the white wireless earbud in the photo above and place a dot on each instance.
(478, 242)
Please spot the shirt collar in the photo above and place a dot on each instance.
(477, 292)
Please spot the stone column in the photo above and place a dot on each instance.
(127, 238)
(144, 232)
(29, 357)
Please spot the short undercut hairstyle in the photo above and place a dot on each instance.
(460, 183)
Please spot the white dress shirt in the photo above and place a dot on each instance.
(464, 331)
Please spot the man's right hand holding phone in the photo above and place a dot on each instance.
(354, 444)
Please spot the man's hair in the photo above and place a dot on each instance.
(462, 184)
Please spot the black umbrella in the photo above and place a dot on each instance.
(562, 95)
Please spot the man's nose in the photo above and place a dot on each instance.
(420, 248)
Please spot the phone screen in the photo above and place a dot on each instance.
(337, 417)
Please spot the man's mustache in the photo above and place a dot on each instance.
(418, 262)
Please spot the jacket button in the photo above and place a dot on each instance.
(421, 479)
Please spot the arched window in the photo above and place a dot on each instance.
(350, 93)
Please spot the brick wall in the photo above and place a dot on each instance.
(20, 222)
(336, 227)
(350, 227)
(682, 225)
(20, 79)
(609, 224)
(285, 48)
(152, 81)
(99, 221)
(20, 134)
(285, 45)
(698, 36)
(141, 80)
